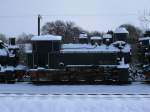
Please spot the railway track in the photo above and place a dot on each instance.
(78, 95)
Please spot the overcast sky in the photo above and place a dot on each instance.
(17, 16)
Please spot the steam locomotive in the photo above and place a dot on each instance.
(144, 54)
(10, 69)
(94, 60)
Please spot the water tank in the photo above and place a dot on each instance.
(44, 50)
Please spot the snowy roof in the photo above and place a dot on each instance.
(121, 30)
(46, 38)
(83, 35)
(96, 38)
(107, 36)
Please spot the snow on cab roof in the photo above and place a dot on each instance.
(46, 38)
(107, 36)
(121, 30)
(96, 38)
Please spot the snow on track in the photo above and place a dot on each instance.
(74, 103)
(24, 97)
(135, 88)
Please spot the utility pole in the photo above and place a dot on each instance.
(39, 24)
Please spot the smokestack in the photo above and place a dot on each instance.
(39, 22)
(12, 41)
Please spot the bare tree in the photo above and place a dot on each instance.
(144, 19)
(3, 38)
(68, 30)
(95, 33)
(24, 38)
(134, 32)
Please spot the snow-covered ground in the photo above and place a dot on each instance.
(24, 97)
(74, 103)
(134, 88)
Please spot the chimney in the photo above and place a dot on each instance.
(12, 41)
(83, 38)
(39, 24)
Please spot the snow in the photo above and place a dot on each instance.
(46, 38)
(13, 47)
(121, 30)
(20, 67)
(83, 35)
(125, 46)
(27, 88)
(122, 64)
(96, 38)
(120, 42)
(9, 68)
(6, 68)
(28, 48)
(85, 48)
(107, 36)
(3, 52)
(76, 46)
(90, 65)
(24, 97)
(126, 49)
(40, 68)
(73, 103)
(144, 38)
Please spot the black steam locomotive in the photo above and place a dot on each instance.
(10, 70)
(101, 59)
(144, 54)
